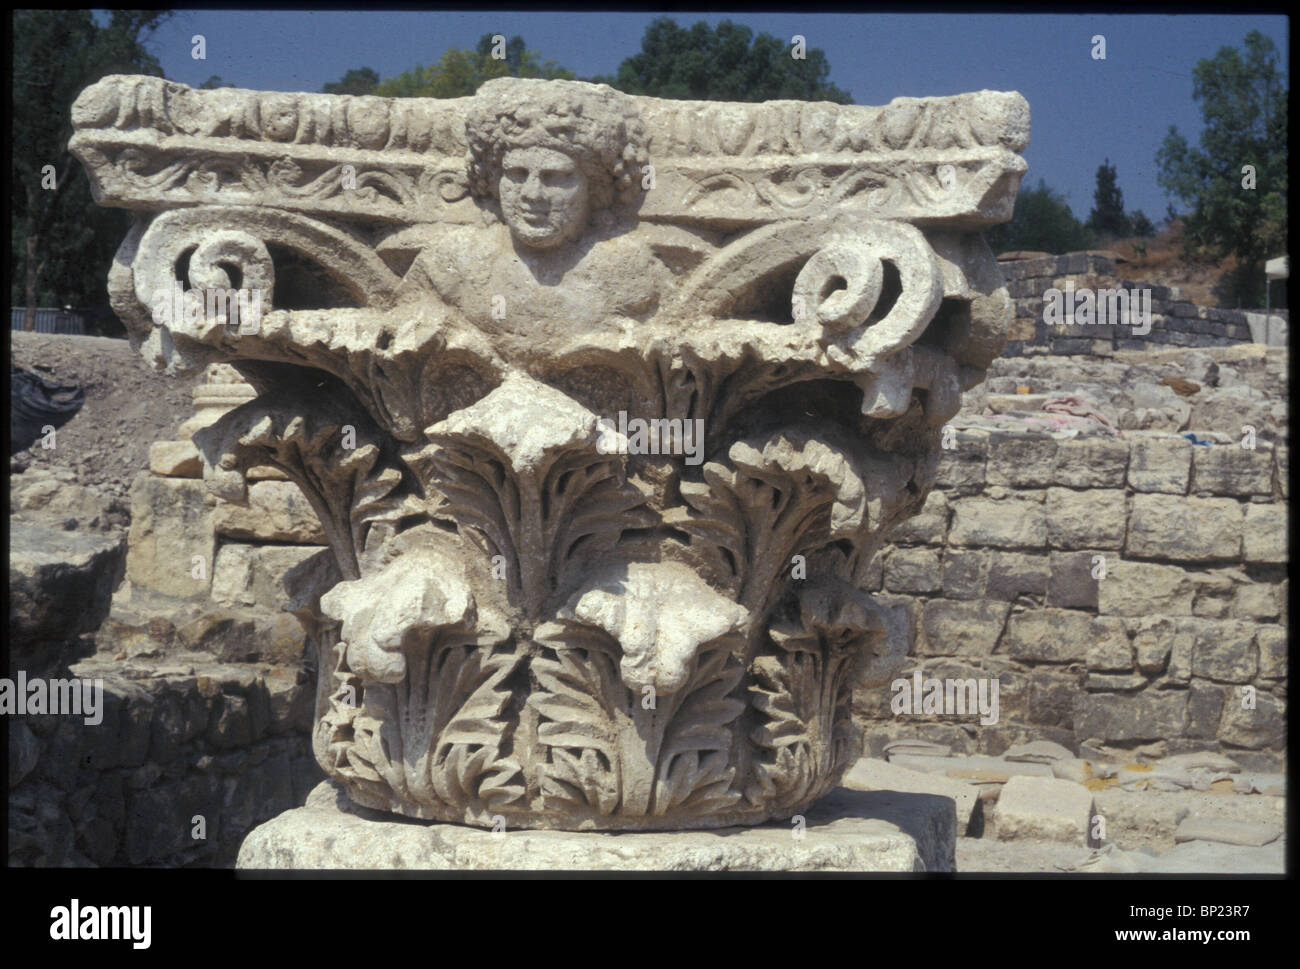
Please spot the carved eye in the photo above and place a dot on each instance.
(557, 179)
(517, 174)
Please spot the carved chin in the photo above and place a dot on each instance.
(539, 237)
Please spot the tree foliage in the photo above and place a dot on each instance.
(361, 80)
(1043, 222)
(458, 73)
(1143, 227)
(63, 243)
(723, 63)
(1107, 218)
(1243, 99)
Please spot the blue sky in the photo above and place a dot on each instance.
(1083, 110)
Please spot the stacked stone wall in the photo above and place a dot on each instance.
(208, 680)
(1129, 595)
(1175, 320)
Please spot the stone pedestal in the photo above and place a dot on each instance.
(847, 830)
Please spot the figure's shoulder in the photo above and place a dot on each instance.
(450, 255)
(466, 241)
(623, 245)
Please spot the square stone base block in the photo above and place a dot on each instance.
(864, 831)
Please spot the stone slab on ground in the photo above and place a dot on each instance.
(1037, 752)
(1141, 818)
(1195, 857)
(870, 774)
(1024, 856)
(60, 585)
(1272, 784)
(1211, 858)
(976, 768)
(845, 831)
(1226, 832)
(1044, 807)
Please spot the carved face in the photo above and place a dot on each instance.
(543, 196)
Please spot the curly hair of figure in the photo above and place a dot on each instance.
(599, 129)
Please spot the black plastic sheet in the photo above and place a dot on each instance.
(36, 404)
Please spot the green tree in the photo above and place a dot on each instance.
(359, 80)
(63, 243)
(214, 82)
(1143, 227)
(1235, 183)
(724, 63)
(458, 73)
(1107, 218)
(1043, 222)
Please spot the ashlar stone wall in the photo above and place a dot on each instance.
(1128, 594)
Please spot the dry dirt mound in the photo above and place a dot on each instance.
(127, 407)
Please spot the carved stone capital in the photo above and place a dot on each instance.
(604, 403)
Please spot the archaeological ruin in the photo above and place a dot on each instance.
(564, 463)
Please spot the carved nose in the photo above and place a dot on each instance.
(533, 188)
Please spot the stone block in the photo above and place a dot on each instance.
(1044, 809)
(1020, 460)
(1228, 469)
(175, 459)
(1153, 640)
(1226, 831)
(1110, 650)
(961, 467)
(1009, 523)
(1091, 462)
(1256, 600)
(1272, 644)
(171, 544)
(913, 570)
(871, 774)
(1184, 529)
(1118, 717)
(252, 575)
(1085, 519)
(961, 628)
(1049, 635)
(1225, 651)
(1160, 464)
(1014, 574)
(927, 527)
(1255, 720)
(60, 585)
(1071, 583)
(276, 512)
(977, 769)
(965, 573)
(1264, 534)
(1204, 709)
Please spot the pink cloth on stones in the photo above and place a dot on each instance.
(1080, 407)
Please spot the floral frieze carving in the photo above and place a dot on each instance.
(604, 402)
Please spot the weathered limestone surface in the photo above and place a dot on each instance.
(603, 405)
(1044, 807)
(60, 585)
(846, 831)
(1149, 616)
